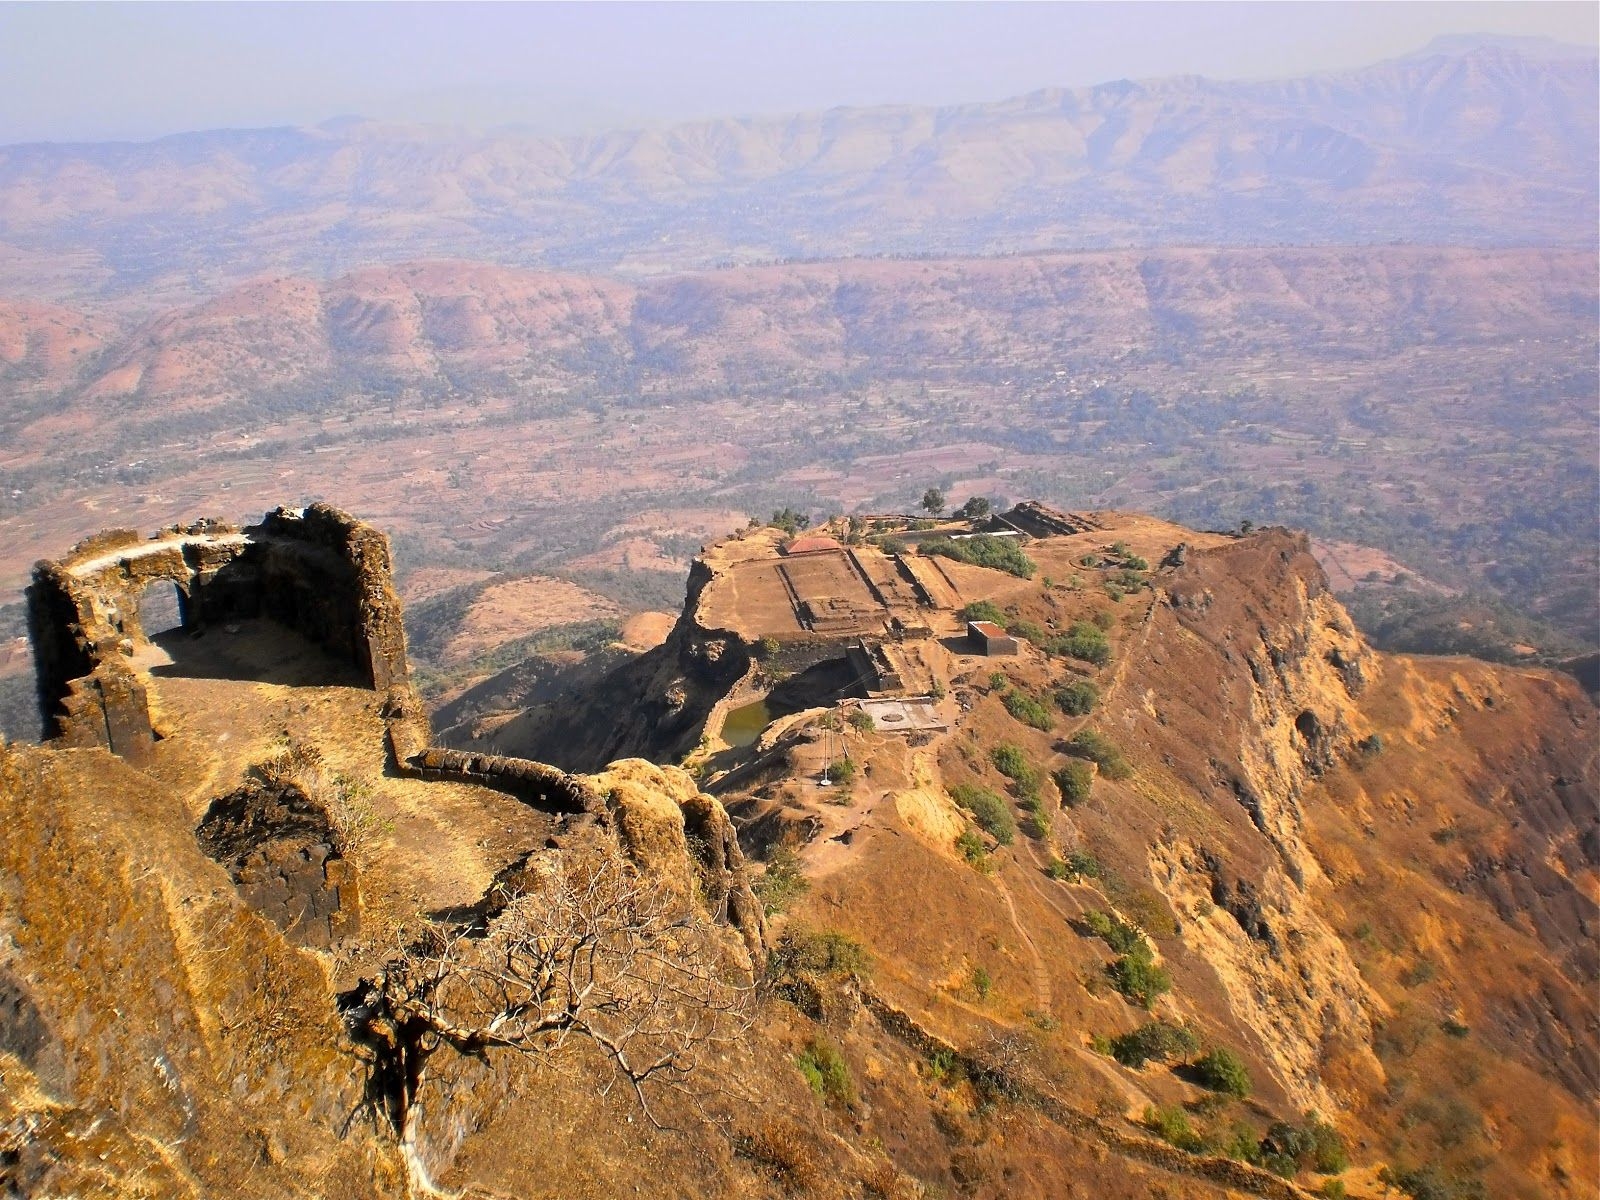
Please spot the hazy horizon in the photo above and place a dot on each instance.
(116, 72)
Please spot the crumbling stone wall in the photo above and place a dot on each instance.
(318, 571)
(535, 783)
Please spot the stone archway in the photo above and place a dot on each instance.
(161, 606)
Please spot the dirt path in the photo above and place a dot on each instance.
(1125, 655)
(1041, 976)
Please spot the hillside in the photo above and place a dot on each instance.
(1477, 144)
(486, 411)
(1193, 894)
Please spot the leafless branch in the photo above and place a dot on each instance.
(592, 952)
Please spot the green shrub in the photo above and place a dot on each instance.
(1221, 1070)
(988, 809)
(782, 884)
(789, 520)
(1117, 934)
(1137, 976)
(1129, 580)
(1028, 710)
(817, 971)
(1077, 699)
(944, 1067)
(1329, 1154)
(1084, 642)
(861, 719)
(842, 771)
(1039, 818)
(1429, 1183)
(1075, 781)
(1159, 1041)
(982, 982)
(1134, 973)
(1101, 751)
(1012, 762)
(1080, 864)
(826, 952)
(1287, 1148)
(1027, 631)
(827, 1073)
(985, 610)
(1171, 1124)
(983, 550)
(1418, 973)
(1144, 908)
(970, 843)
(1103, 620)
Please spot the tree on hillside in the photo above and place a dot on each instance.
(592, 953)
(933, 500)
(790, 520)
(975, 509)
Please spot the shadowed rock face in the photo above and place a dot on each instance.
(319, 571)
(282, 852)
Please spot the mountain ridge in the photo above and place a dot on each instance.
(1487, 147)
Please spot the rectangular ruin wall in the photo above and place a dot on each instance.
(318, 571)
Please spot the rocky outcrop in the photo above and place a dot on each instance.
(1262, 603)
(1250, 674)
(655, 706)
(160, 1039)
(675, 831)
(281, 850)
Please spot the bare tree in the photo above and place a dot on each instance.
(589, 951)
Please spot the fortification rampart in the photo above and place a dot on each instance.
(318, 571)
(534, 783)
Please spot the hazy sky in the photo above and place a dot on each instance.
(94, 71)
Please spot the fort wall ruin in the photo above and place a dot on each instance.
(318, 571)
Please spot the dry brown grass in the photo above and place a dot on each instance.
(784, 1152)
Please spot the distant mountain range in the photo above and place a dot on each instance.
(1483, 144)
(439, 324)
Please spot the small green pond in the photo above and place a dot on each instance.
(743, 725)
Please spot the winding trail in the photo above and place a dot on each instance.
(1041, 977)
(1120, 671)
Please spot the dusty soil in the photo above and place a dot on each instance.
(647, 630)
(518, 607)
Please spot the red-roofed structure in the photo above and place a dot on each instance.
(985, 637)
(816, 543)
